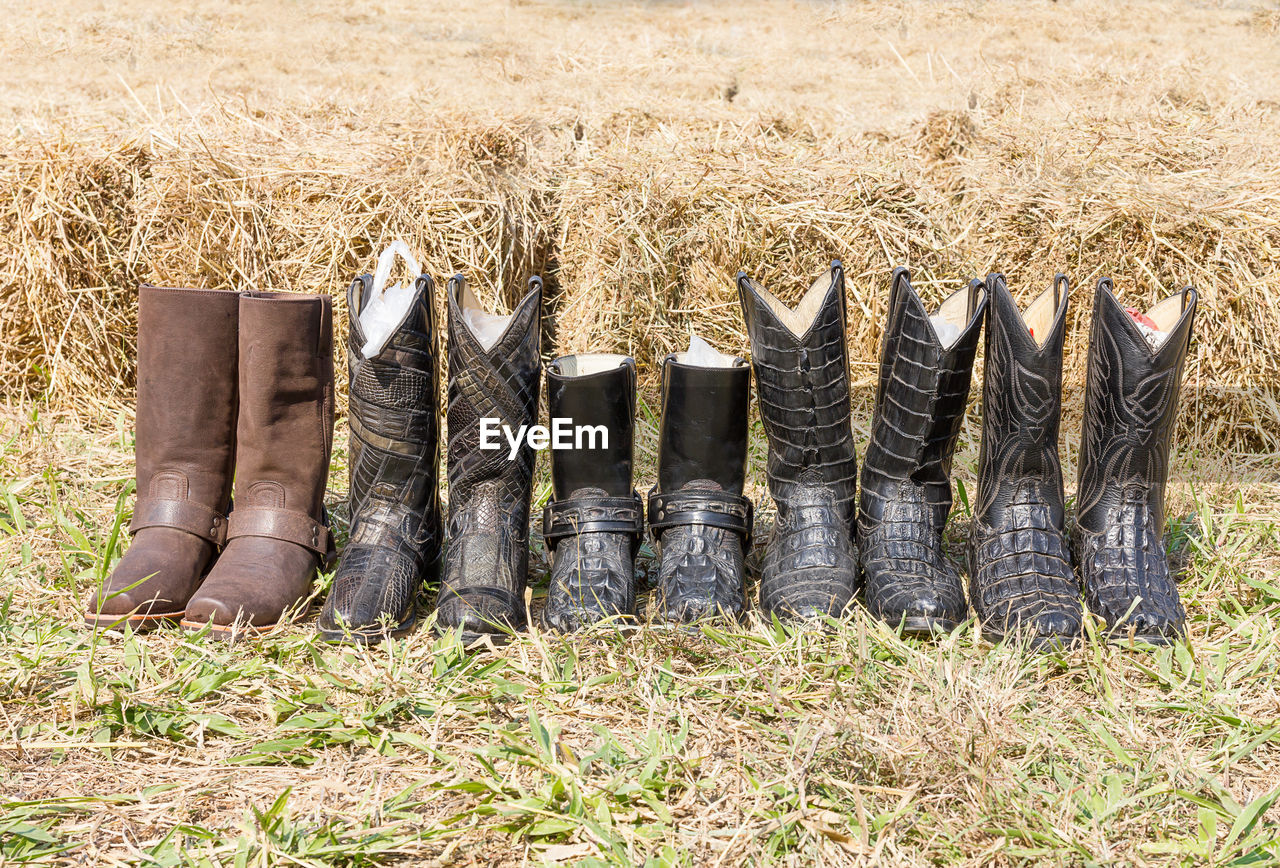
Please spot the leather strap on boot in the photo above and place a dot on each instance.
(282, 524)
(721, 509)
(593, 514)
(186, 515)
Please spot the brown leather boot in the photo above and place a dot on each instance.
(185, 434)
(278, 533)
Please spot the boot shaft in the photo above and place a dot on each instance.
(1022, 399)
(1131, 406)
(187, 393)
(597, 391)
(394, 405)
(703, 431)
(285, 427)
(498, 381)
(923, 385)
(801, 365)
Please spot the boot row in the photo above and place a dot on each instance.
(243, 383)
(823, 551)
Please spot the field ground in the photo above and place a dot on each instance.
(638, 155)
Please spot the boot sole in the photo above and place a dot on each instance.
(139, 623)
(928, 626)
(228, 633)
(367, 637)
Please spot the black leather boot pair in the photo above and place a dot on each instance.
(700, 521)
(1022, 581)
(825, 543)
(821, 550)
(397, 526)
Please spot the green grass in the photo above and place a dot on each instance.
(734, 745)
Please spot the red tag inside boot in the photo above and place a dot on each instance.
(1141, 318)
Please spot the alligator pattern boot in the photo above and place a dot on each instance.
(185, 436)
(397, 529)
(278, 533)
(494, 379)
(925, 372)
(700, 521)
(1131, 408)
(1020, 572)
(594, 523)
(801, 363)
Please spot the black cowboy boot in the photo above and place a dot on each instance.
(700, 521)
(906, 473)
(1131, 405)
(801, 364)
(594, 524)
(396, 525)
(1020, 572)
(494, 373)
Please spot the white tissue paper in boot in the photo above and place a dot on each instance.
(1154, 337)
(701, 354)
(386, 306)
(947, 331)
(487, 327)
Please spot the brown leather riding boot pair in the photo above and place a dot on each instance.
(227, 382)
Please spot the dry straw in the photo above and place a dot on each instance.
(640, 237)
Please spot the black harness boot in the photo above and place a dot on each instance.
(494, 386)
(1020, 572)
(906, 473)
(594, 524)
(1131, 407)
(801, 364)
(396, 524)
(701, 523)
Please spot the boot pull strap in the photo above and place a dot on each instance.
(282, 524)
(976, 286)
(1193, 293)
(1061, 287)
(577, 515)
(721, 509)
(187, 515)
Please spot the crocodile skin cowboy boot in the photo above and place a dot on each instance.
(278, 532)
(701, 523)
(185, 446)
(1131, 405)
(494, 372)
(396, 525)
(1020, 573)
(925, 370)
(801, 365)
(594, 523)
